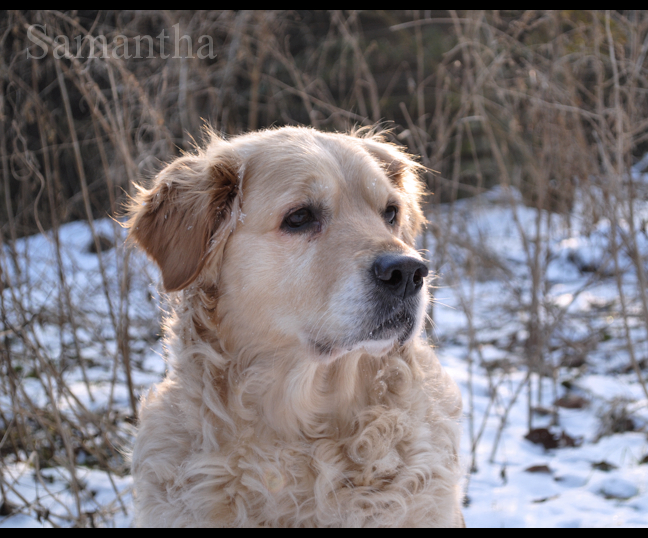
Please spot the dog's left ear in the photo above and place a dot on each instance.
(403, 173)
(187, 215)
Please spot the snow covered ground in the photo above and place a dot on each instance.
(589, 409)
(597, 474)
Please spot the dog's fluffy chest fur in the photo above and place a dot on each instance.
(386, 457)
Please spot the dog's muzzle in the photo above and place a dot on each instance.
(393, 308)
(397, 280)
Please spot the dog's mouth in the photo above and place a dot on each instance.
(399, 324)
(375, 337)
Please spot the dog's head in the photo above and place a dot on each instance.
(307, 238)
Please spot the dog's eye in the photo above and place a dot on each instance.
(299, 220)
(390, 215)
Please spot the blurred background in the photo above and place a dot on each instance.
(533, 126)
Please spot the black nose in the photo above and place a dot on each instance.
(401, 275)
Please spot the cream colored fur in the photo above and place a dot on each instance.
(253, 426)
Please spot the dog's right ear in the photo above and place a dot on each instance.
(187, 216)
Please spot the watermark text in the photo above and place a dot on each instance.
(169, 45)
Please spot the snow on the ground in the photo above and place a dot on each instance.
(45, 493)
(567, 489)
(107, 499)
(601, 481)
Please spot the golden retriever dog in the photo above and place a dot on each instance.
(299, 393)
